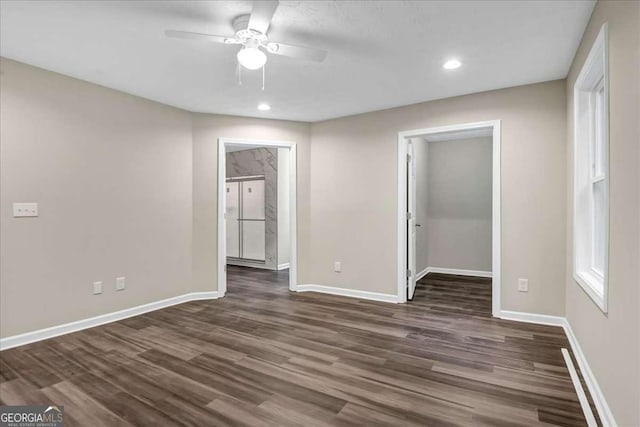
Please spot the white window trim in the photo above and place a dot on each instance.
(592, 281)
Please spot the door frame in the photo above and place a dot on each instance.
(222, 229)
(496, 217)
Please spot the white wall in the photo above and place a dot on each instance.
(611, 342)
(283, 206)
(458, 226)
(112, 175)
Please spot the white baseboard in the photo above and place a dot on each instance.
(198, 296)
(422, 274)
(604, 412)
(456, 271)
(67, 328)
(541, 319)
(283, 266)
(577, 385)
(374, 296)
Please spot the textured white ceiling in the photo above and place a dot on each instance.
(381, 53)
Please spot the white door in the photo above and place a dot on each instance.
(253, 199)
(231, 219)
(253, 220)
(411, 221)
(253, 240)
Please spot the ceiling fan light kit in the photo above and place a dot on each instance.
(251, 33)
(251, 57)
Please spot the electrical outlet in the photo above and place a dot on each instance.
(337, 266)
(523, 285)
(97, 288)
(120, 283)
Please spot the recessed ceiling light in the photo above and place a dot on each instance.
(264, 107)
(452, 64)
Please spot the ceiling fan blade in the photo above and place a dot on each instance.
(298, 52)
(261, 15)
(200, 36)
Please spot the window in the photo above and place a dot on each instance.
(591, 168)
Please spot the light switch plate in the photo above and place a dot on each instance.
(120, 283)
(523, 285)
(21, 210)
(97, 288)
(337, 267)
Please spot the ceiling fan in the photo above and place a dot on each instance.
(251, 33)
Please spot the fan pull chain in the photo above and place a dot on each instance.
(239, 74)
(263, 67)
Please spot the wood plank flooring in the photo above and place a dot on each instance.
(264, 356)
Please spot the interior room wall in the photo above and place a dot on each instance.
(354, 210)
(284, 222)
(611, 342)
(207, 128)
(112, 174)
(261, 161)
(459, 204)
(359, 152)
(126, 187)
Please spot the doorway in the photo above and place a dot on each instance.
(252, 192)
(407, 217)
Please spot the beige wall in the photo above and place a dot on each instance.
(126, 187)
(611, 342)
(112, 175)
(354, 191)
(132, 149)
(206, 131)
(458, 226)
(120, 194)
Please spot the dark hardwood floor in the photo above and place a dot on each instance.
(265, 356)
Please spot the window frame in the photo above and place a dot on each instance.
(591, 167)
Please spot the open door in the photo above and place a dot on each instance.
(411, 221)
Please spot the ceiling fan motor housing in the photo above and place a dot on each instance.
(244, 33)
(241, 22)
